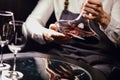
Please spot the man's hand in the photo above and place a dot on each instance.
(95, 8)
(52, 35)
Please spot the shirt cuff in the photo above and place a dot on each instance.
(112, 31)
(39, 38)
(111, 26)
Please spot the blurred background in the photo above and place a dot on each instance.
(20, 8)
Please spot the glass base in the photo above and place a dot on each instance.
(4, 66)
(10, 75)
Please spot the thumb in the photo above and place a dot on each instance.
(53, 27)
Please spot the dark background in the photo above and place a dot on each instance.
(20, 8)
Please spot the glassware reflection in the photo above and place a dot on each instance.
(54, 70)
(59, 70)
(37, 66)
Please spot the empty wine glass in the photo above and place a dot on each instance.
(5, 34)
(15, 45)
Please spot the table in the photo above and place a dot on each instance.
(41, 66)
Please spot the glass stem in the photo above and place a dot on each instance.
(1, 59)
(14, 64)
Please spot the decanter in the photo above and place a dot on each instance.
(76, 28)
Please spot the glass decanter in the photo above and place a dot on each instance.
(76, 28)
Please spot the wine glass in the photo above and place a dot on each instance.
(5, 34)
(15, 45)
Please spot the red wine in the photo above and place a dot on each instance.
(76, 28)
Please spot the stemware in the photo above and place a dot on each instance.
(15, 45)
(5, 34)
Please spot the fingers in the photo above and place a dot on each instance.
(47, 37)
(94, 7)
(95, 2)
(55, 33)
(89, 16)
(53, 36)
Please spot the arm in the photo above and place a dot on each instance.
(113, 29)
(37, 20)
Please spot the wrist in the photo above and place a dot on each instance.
(104, 20)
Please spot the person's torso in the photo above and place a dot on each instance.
(75, 7)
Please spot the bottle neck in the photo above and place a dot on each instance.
(80, 16)
(66, 3)
(81, 13)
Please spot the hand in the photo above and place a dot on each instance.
(52, 35)
(95, 8)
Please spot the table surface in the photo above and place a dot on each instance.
(40, 66)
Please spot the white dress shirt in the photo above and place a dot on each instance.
(37, 20)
